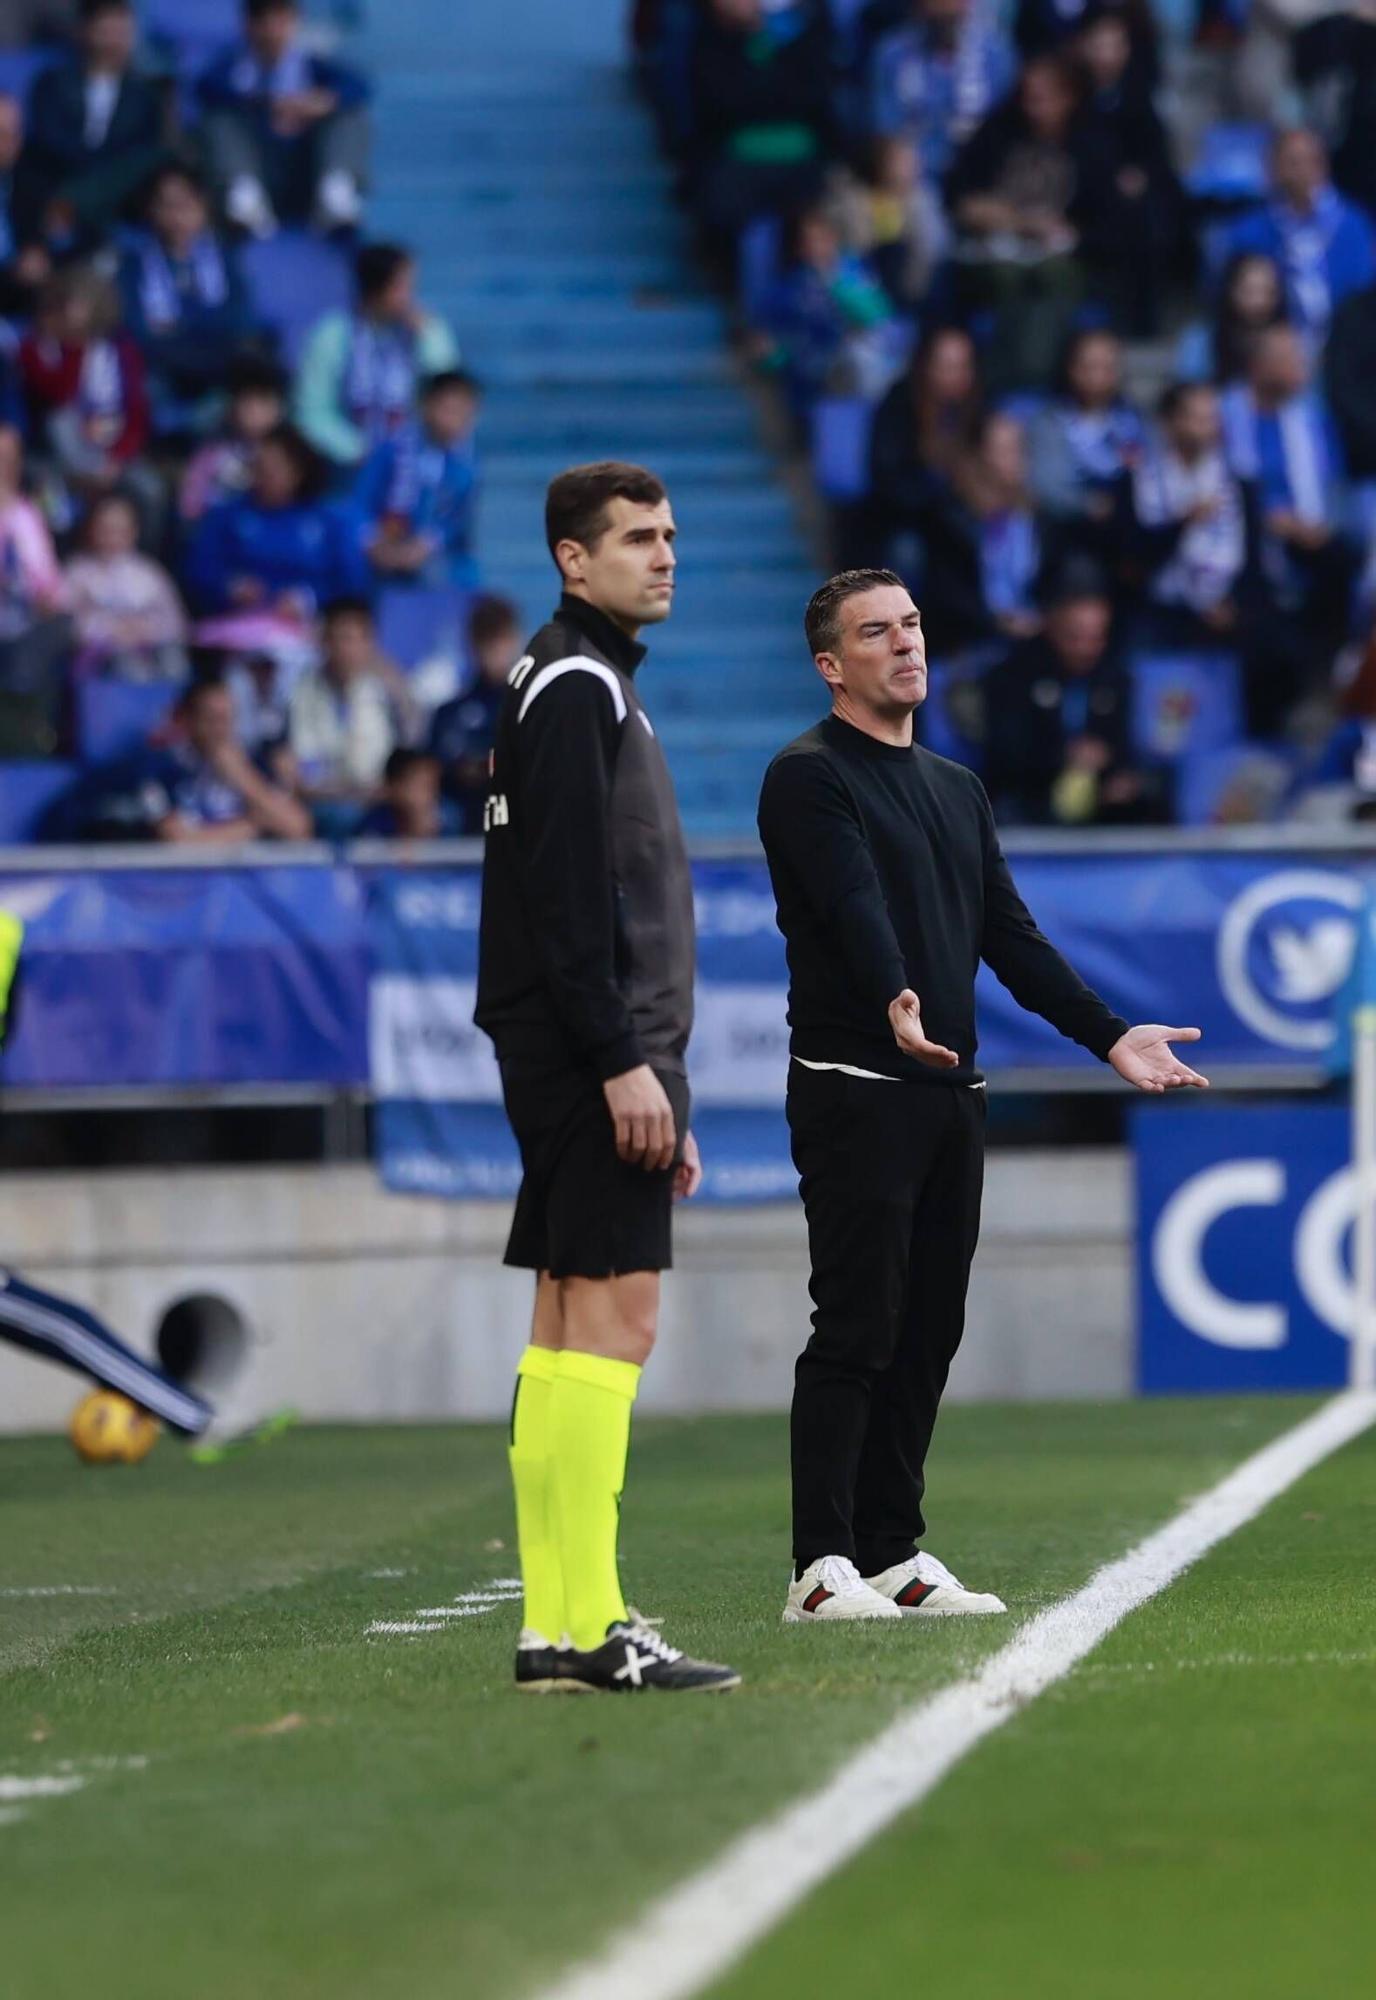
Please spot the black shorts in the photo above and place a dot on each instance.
(581, 1211)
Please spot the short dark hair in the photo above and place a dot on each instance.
(256, 375)
(91, 10)
(1175, 396)
(375, 266)
(401, 760)
(173, 170)
(577, 501)
(489, 618)
(347, 607)
(822, 619)
(254, 8)
(311, 471)
(449, 378)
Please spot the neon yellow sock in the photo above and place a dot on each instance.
(530, 1475)
(589, 1435)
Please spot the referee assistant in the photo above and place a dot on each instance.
(891, 887)
(585, 984)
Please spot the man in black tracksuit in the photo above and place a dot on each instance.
(585, 984)
(891, 885)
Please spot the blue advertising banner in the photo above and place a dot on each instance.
(1243, 1221)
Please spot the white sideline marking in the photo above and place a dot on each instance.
(433, 1617)
(393, 1625)
(14, 1789)
(57, 1590)
(696, 1931)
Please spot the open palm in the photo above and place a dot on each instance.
(1143, 1057)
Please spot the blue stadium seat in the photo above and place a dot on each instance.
(761, 259)
(415, 623)
(841, 446)
(26, 790)
(191, 32)
(1231, 165)
(1184, 704)
(19, 67)
(115, 718)
(292, 279)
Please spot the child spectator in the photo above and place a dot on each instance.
(417, 492)
(84, 384)
(287, 131)
(1192, 516)
(223, 469)
(1082, 443)
(933, 80)
(893, 218)
(462, 731)
(199, 789)
(1324, 244)
(281, 547)
(1250, 298)
(829, 323)
(360, 370)
(96, 128)
(343, 721)
(129, 618)
(35, 636)
(185, 306)
(411, 807)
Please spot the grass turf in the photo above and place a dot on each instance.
(324, 1813)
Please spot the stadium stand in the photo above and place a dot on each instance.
(1029, 301)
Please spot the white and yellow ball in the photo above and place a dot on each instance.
(107, 1429)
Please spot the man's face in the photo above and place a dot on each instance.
(1279, 369)
(1195, 428)
(943, 19)
(348, 646)
(272, 34)
(210, 721)
(11, 132)
(880, 657)
(1299, 167)
(108, 38)
(1094, 372)
(450, 414)
(1079, 632)
(178, 213)
(415, 794)
(498, 655)
(630, 572)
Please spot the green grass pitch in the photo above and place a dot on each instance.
(262, 1798)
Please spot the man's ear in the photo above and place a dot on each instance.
(571, 557)
(829, 667)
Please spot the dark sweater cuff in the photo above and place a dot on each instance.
(615, 1058)
(1106, 1036)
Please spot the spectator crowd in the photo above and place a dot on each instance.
(239, 586)
(1073, 305)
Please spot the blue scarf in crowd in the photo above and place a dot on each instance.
(164, 286)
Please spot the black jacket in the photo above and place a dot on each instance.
(1351, 381)
(586, 946)
(1034, 709)
(56, 149)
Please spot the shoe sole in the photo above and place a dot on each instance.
(952, 1611)
(792, 1616)
(560, 1686)
(707, 1687)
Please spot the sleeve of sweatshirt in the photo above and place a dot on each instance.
(319, 377)
(814, 842)
(1030, 966)
(569, 732)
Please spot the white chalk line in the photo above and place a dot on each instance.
(436, 1617)
(57, 1590)
(18, 1793)
(695, 1932)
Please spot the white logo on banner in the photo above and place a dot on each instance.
(1177, 1253)
(1305, 960)
(739, 1051)
(424, 1044)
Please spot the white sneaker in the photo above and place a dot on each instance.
(832, 1587)
(922, 1587)
(338, 202)
(247, 205)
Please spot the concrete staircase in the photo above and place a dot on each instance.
(515, 158)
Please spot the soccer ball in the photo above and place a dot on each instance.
(107, 1429)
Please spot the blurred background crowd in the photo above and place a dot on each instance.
(1066, 309)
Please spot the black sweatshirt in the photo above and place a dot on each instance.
(586, 945)
(888, 874)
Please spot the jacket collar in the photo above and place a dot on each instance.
(605, 634)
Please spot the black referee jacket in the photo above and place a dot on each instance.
(586, 949)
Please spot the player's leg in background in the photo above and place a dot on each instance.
(68, 1334)
(541, 1573)
(851, 1145)
(609, 1329)
(945, 1230)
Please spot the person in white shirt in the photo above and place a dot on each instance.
(129, 618)
(344, 719)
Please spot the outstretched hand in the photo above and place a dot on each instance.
(905, 1018)
(1143, 1058)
